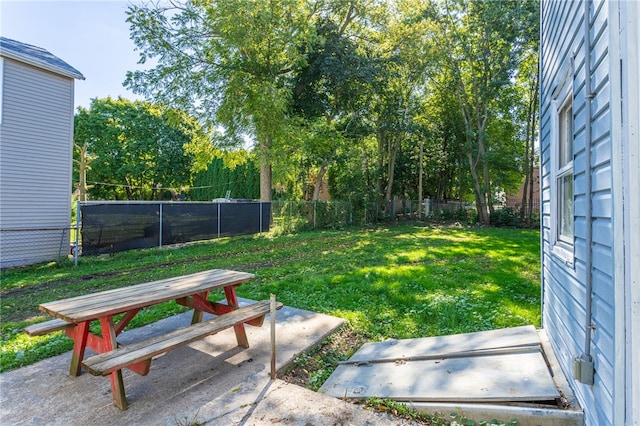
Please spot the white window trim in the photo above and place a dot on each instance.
(562, 95)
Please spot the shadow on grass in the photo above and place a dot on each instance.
(395, 282)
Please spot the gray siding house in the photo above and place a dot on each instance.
(590, 195)
(36, 139)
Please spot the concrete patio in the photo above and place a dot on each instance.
(211, 382)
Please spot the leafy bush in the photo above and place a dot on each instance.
(506, 217)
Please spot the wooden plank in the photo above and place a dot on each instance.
(96, 304)
(108, 362)
(124, 299)
(440, 346)
(47, 327)
(151, 290)
(491, 378)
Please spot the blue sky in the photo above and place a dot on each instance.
(92, 36)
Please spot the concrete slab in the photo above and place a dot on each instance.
(490, 378)
(440, 346)
(210, 381)
(446, 374)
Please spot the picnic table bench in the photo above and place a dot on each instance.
(74, 316)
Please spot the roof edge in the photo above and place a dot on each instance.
(41, 64)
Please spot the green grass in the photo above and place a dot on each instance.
(388, 282)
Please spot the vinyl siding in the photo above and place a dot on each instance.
(35, 165)
(564, 285)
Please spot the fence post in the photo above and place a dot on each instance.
(260, 217)
(62, 244)
(75, 252)
(160, 238)
(218, 220)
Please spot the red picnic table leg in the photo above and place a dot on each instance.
(117, 383)
(79, 334)
(232, 300)
(197, 314)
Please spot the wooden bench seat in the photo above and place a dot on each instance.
(108, 362)
(47, 327)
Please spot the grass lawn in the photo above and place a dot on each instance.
(388, 282)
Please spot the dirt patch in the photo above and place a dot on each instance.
(310, 370)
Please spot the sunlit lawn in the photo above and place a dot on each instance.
(391, 282)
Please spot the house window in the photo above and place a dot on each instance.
(564, 174)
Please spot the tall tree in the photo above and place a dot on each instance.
(329, 90)
(228, 59)
(485, 40)
(234, 171)
(528, 93)
(137, 149)
(400, 87)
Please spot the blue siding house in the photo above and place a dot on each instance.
(590, 201)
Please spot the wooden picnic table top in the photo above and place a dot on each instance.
(124, 299)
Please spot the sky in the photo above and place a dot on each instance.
(90, 35)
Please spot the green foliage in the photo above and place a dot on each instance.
(366, 95)
(484, 43)
(242, 179)
(227, 62)
(186, 421)
(505, 217)
(296, 216)
(395, 408)
(139, 150)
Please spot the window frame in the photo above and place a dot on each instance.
(562, 163)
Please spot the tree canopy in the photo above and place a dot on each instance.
(138, 150)
(379, 98)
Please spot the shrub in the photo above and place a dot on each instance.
(505, 217)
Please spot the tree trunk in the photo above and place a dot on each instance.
(319, 178)
(486, 184)
(83, 165)
(380, 137)
(481, 203)
(420, 206)
(392, 152)
(532, 114)
(265, 171)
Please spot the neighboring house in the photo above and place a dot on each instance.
(590, 193)
(36, 140)
(514, 200)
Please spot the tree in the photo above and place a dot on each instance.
(227, 59)
(528, 92)
(328, 91)
(83, 161)
(400, 88)
(235, 171)
(138, 150)
(484, 40)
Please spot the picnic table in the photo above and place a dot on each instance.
(74, 315)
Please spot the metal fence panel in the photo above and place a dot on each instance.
(189, 222)
(113, 227)
(109, 227)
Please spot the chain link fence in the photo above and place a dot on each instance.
(25, 246)
(294, 216)
(108, 227)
